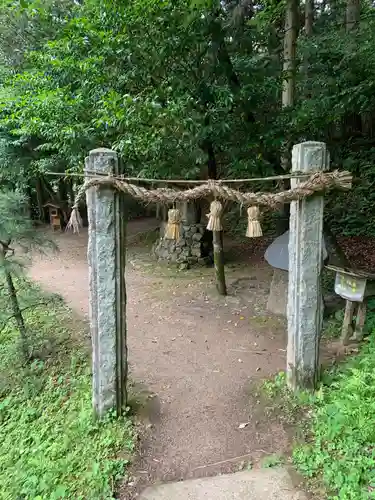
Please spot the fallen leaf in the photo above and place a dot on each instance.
(244, 425)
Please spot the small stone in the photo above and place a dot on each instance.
(192, 260)
(181, 243)
(197, 237)
(184, 266)
(185, 253)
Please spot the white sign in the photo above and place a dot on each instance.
(350, 287)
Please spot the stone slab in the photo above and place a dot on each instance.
(278, 296)
(259, 484)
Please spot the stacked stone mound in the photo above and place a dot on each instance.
(189, 249)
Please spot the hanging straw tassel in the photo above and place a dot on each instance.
(172, 230)
(75, 221)
(254, 228)
(214, 217)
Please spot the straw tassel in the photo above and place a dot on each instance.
(254, 229)
(75, 221)
(214, 217)
(172, 230)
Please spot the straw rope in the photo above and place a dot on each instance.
(318, 182)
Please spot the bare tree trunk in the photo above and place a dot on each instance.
(353, 10)
(39, 198)
(289, 66)
(17, 313)
(70, 190)
(309, 23)
(309, 17)
(353, 121)
(288, 93)
(217, 237)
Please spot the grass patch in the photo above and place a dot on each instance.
(50, 445)
(335, 426)
(341, 444)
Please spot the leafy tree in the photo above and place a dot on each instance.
(18, 237)
(199, 96)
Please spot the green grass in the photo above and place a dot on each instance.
(50, 445)
(335, 426)
(340, 449)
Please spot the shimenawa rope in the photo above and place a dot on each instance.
(318, 182)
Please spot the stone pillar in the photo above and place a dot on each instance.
(107, 296)
(304, 311)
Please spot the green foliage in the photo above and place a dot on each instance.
(50, 445)
(200, 92)
(341, 442)
(16, 226)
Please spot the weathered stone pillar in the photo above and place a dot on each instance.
(305, 312)
(107, 296)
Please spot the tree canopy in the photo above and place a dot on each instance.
(188, 89)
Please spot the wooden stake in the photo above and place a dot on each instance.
(219, 262)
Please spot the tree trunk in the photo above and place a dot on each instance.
(289, 66)
(63, 192)
(288, 94)
(309, 22)
(309, 17)
(219, 262)
(353, 10)
(70, 190)
(39, 198)
(352, 121)
(17, 313)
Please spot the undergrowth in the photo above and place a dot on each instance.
(50, 445)
(336, 440)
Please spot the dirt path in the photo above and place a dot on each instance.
(197, 352)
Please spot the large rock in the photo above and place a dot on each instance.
(259, 484)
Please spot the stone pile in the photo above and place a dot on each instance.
(188, 249)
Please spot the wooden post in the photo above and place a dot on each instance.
(217, 240)
(107, 297)
(305, 304)
(347, 325)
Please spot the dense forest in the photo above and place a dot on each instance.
(190, 89)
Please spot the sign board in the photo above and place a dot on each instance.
(349, 286)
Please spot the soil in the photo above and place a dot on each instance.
(196, 358)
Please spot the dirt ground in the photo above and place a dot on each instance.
(195, 357)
